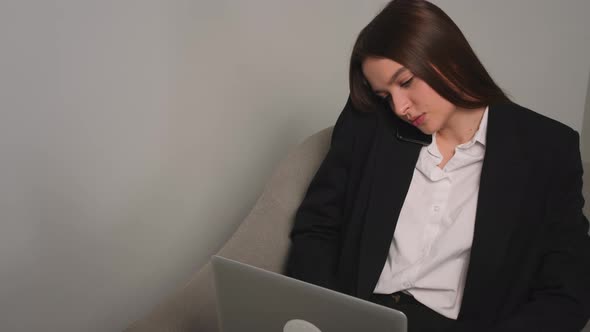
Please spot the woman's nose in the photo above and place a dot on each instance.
(400, 104)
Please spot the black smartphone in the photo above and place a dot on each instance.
(404, 131)
(407, 132)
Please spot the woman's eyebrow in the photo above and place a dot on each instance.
(393, 78)
(397, 74)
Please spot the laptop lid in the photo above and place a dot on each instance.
(253, 299)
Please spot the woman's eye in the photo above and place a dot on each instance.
(407, 82)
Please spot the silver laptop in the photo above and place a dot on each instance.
(253, 299)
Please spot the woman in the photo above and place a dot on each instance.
(440, 197)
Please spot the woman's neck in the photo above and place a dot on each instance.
(461, 126)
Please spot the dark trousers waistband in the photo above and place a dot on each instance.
(398, 298)
(420, 317)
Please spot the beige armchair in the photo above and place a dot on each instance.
(261, 240)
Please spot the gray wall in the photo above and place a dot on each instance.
(135, 135)
(538, 51)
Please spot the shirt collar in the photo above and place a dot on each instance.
(480, 135)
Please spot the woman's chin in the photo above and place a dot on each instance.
(426, 130)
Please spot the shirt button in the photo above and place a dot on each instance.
(436, 208)
(407, 284)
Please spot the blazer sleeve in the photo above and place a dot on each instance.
(560, 293)
(315, 236)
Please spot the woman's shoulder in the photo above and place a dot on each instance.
(541, 139)
(355, 121)
(532, 123)
(355, 114)
(532, 128)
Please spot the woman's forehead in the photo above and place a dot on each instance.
(382, 70)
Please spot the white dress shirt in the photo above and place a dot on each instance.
(429, 254)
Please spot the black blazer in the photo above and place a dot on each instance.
(530, 259)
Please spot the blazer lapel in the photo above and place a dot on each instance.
(501, 188)
(393, 170)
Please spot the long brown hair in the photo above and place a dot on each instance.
(421, 37)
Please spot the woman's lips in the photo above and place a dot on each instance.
(419, 120)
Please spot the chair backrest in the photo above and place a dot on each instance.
(263, 237)
(262, 240)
